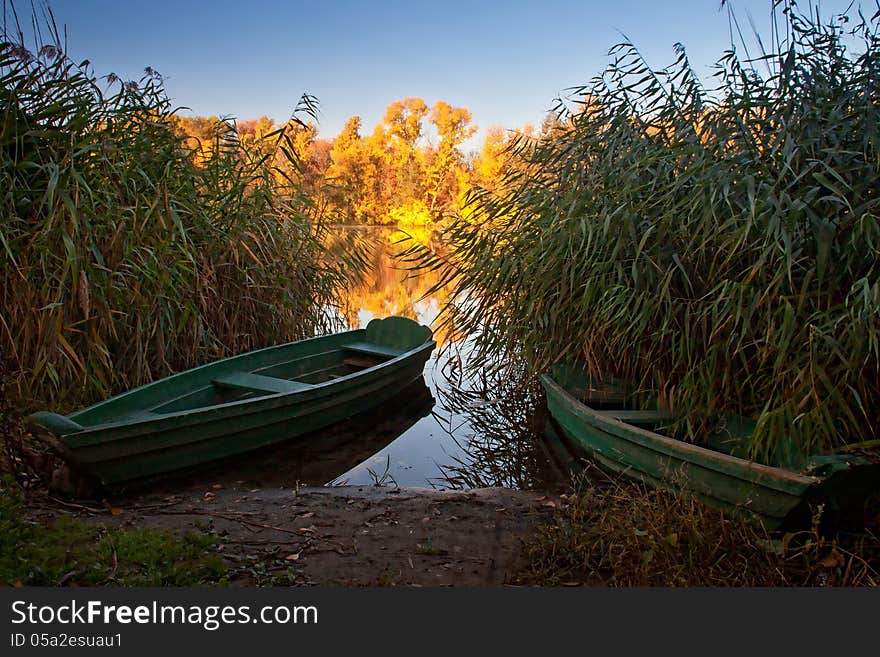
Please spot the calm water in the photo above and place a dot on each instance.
(448, 432)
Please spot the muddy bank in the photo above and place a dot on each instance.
(361, 536)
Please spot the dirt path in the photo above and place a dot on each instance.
(364, 536)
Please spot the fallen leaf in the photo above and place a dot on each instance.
(292, 557)
(217, 486)
(307, 515)
(116, 511)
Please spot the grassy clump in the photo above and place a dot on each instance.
(127, 251)
(71, 552)
(614, 534)
(719, 246)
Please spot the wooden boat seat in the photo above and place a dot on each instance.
(371, 349)
(637, 417)
(259, 383)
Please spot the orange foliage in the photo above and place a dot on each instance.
(410, 170)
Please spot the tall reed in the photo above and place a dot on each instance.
(127, 252)
(721, 246)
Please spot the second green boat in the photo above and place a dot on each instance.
(601, 422)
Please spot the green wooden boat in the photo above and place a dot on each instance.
(242, 403)
(610, 427)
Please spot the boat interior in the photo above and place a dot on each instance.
(290, 372)
(288, 368)
(613, 398)
(616, 399)
(288, 376)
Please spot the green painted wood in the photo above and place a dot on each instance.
(397, 333)
(360, 361)
(259, 383)
(239, 404)
(179, 448)
(55, 423)
(372, 349)
(302, 364)
(773, 495)
(196, 382)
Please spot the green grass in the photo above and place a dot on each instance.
(428, 549)
(71, 552)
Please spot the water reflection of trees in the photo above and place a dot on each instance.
(388, 287)
(495, 418)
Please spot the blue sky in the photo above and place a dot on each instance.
(505, 61)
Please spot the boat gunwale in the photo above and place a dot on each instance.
(681, 449)
(89, 431)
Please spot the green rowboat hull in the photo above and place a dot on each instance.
(243, 403)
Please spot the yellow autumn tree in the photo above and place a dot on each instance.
(453, 128)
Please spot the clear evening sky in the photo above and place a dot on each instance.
(505, 61)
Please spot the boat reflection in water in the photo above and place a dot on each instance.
(321, 457)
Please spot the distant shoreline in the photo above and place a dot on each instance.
(388, 226)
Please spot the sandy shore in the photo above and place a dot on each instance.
(362, 536)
